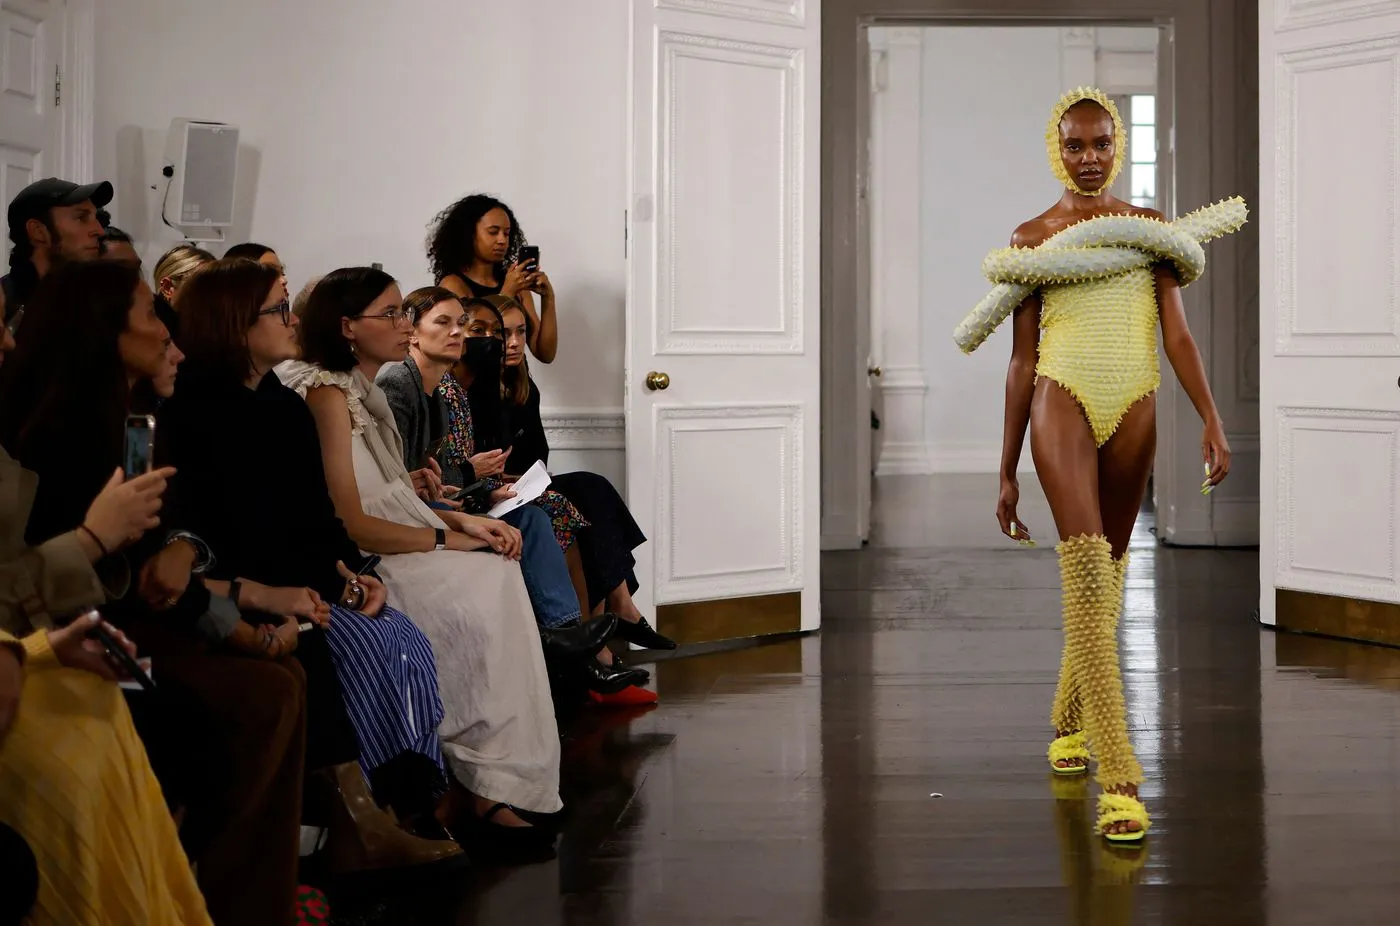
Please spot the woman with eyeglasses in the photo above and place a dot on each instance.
(498, 733)
(251, 485)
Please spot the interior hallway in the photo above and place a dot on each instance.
(792, 783)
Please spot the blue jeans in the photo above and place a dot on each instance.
(546, 573)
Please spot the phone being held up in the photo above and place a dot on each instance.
(140, 445)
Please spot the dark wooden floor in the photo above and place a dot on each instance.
(891, 770)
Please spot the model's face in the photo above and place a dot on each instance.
(272, 340)
(439, 332)
(380, 333)
(493, 236)
(1087, 145)
(515, 336)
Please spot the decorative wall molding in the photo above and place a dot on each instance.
(1295, 14)
(671, 334)
(1288, 67)
(1342, 420)
(779, 12)
(786, 572)
(585, 428)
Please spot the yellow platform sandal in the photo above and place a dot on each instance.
(1120, 808)
(1065, 748)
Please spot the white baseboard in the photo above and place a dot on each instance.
(971, 457)
(903, 459)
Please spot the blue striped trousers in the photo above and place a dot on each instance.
(390, 685)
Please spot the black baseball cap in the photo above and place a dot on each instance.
(42, 195)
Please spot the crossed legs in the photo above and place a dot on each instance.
(1094, 495)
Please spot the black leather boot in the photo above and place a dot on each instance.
(643, 634)
(612, 679)
(579, 639)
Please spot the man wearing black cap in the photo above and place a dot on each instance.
(51, 221)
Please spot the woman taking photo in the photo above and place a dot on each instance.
(264, 506)
(1089, 281)
(498, 732)
(474, 249)
(94, 353)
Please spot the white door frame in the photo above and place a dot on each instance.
(1209, 38)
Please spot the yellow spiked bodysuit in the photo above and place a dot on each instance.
(1099, 318)
(1099, 341)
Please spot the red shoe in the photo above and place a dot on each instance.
(627, 697)
(312, 907)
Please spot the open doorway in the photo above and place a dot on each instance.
(933, 410)
(939, 412)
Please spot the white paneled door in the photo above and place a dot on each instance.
(723, 366)
(1330, 307)
(31, 133)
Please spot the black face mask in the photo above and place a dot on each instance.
(483, 357)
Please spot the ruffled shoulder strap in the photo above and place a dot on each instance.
(302, 377)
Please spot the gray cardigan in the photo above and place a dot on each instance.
(421, 418)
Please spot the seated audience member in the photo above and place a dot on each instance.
(474, 249)
(261, 254)
(52, 222)
(499, 734)
(264, 507)
(410, 386)
(92, 351)
(606, 546)
(117, 245)
(75, 784)
(175, 267)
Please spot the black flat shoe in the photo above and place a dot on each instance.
(612, 679)
(643, 634)
(579, 639)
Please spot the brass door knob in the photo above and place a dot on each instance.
(657, 381)
(875, 371)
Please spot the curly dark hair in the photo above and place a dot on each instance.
(452, 236)
(340, 294)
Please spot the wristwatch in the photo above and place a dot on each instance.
(439, 539)
(204, 556)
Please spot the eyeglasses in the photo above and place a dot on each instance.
(394, 316)
(283, 308)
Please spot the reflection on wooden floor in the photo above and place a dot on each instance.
(795, 783)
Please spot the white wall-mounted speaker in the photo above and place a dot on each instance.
(204, 157)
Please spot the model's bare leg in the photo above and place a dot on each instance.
(1063, 449)
(1067, 463)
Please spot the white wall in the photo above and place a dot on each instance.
(984, 173)
(361, 120)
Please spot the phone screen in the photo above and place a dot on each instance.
(140, 440)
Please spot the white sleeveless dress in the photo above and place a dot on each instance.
(498, 732)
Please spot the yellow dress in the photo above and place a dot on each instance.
(1099, 341)
(76, 784)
